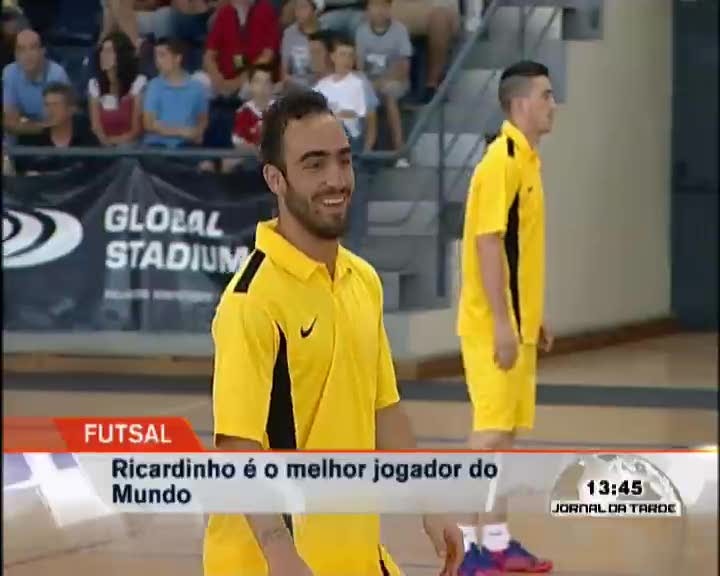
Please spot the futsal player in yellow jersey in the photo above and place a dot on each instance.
(302, 360)
(500, 320)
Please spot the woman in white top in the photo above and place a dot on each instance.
(115, 92)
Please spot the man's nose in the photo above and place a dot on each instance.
(337, 176)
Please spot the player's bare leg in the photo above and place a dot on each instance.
(491, 526)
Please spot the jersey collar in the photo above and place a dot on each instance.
(512, 131)
(290, 258)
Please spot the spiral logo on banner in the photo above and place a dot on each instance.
(38, 236)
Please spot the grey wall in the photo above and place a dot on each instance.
(606, 167)
(695, 164)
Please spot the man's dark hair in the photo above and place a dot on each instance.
(65, 90)
(293, 106)
(515, 80)
(260, 68)
(175, 45)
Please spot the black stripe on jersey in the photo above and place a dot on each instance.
(281, 416)
(511, 147)
(383, 569)
(512, 251)
(250, 270)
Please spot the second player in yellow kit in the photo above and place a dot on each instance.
(505, 198)
(501, 317)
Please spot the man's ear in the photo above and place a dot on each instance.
(275, 179)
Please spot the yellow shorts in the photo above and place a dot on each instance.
(501, 400)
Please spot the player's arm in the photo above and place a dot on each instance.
(491, 187)
(246, 345)
(393, 432)
(270, 531)
(491, 250)
(392, 426)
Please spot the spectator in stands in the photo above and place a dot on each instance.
(13, 21)
(24, 82)
(438, 21)
(139, 19)
(320, 44)
(344, 90)
(176, 105)
(115, 92)
(64, 129)
(244, 33)
(247, 128)
(384, 51)
(295, 49)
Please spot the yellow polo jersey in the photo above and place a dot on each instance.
(506, 197)
(302, 361)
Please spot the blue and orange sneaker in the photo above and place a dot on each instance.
(516, 559)
(478, 563)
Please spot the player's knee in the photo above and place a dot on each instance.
(492, 440)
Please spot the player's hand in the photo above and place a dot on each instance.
(283, 560)
(447, 539)
(506, 345)
(546, 338)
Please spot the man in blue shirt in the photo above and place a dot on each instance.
(176, 105)
(24, 82)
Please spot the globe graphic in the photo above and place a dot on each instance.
(572, 485)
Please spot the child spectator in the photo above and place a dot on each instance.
(384, 51)
(247, 128)
(320, 49)
(244, 33)
(176, 105)
(344, 90)
(295, 65)
(116, 92)
(64, 129)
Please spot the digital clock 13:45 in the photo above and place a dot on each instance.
(607, 488)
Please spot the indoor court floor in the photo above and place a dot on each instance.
(652, 394)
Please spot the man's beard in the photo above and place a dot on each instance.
(302, 209)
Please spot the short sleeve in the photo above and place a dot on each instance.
(152, 99)
(202, 102)
(246, 343)
(58, 74)
(93, 88)
(387, 391)
(9, 94)
(490, 194)
(404, 44)
(360, 104)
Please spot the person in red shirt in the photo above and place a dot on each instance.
(245, 33)
(247, 128)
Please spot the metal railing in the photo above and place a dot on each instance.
(434, 111)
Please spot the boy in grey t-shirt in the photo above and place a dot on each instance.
(384, 50)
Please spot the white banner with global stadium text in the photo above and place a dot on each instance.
(658, 484)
